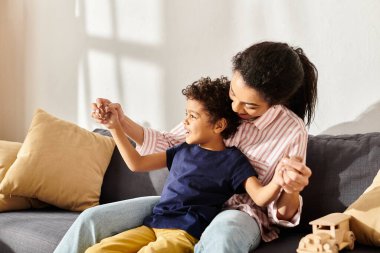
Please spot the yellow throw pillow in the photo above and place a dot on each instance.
(365, 212)
(8, 154)
(59, 163)
(14, 203)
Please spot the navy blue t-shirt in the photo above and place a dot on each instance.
(199, 183)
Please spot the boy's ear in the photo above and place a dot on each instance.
(220, 125)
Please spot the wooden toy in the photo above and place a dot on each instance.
(331, 233)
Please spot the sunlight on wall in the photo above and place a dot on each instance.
(143, 92)
(139, 26)
(102, 74)
(96, 78)
(118, 34)
(140, 52)
(140, 95)
(98, 18)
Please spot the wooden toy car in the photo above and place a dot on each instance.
(331, 233)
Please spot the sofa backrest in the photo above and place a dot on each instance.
(343, 167)
(120, 183)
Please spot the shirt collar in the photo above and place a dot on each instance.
(268, 117)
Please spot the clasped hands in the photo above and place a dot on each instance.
(107, 113)
(291, 174)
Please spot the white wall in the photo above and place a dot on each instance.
(60, 55)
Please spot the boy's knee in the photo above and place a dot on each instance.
(88, 215)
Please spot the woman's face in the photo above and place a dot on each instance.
(246, 101)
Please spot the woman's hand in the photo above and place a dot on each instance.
(295, 174)
(295, 177)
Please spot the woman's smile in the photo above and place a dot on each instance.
(244, 116)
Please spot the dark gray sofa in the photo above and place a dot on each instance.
(343, 167)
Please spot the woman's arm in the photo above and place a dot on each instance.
(287, 205)
(261, 195)
(295, 178)
(286, 209)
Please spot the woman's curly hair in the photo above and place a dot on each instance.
(213, 94)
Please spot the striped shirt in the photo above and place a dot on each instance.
(265, 141)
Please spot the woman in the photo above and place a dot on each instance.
(273, 88)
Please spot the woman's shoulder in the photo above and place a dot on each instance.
(293, 125)
(298, 123)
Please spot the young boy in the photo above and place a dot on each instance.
(204, 173)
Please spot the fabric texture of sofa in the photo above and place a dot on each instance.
(343, 167)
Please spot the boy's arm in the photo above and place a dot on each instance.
(133, 130)
(261, 195)
(132, 158)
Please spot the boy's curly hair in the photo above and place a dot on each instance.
(213, 94)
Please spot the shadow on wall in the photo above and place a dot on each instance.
(368, 121)
(12, 39)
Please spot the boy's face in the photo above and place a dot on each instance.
(198, 128)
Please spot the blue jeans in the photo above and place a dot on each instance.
(97, 223)
(230, 231)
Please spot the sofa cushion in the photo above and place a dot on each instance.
(34, 230)
(343, 167)
(59, 163)
(120, 183)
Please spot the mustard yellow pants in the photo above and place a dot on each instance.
(144, 239)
